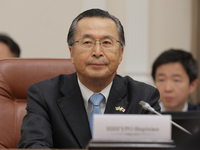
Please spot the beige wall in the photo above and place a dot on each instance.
(170, 26)
(40, 26)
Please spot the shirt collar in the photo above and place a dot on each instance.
(185, 108)
(87, 93)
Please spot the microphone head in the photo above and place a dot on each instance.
(146, 106)
(142, 103)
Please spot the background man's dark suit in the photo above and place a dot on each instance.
(192, 107)
(56, 118)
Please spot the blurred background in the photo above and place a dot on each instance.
(40, 28)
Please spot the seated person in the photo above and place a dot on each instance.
(8, 47)
(175, 73)
(60, 110)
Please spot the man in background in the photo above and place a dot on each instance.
(175, 73)
(8, 47)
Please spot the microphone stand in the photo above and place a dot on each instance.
(146, 106)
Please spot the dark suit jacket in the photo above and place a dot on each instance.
(192, 107)
(56, 115)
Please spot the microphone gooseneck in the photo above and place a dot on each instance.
(146, 106)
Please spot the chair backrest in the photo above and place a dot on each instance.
(16, 75)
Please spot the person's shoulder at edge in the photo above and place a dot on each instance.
(139, 88)
(139, 84)
(141, 91)
(59, 79)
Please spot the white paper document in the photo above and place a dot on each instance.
(132, 127)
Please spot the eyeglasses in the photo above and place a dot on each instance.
(106, 43)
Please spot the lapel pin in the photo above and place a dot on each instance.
(120, 109)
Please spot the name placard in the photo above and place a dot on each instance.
(132, 127)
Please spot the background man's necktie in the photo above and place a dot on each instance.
(95, 99)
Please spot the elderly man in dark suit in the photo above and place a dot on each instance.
(59, 110)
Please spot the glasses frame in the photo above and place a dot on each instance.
(96, 41)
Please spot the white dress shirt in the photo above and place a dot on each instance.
(185, 108)
(87, 93)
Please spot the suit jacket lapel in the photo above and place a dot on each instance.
(117, 97)
(72, 107)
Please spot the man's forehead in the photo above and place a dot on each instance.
(89, 21)
(173, 69)
(96, 25)
(164, 74)
(94, 18)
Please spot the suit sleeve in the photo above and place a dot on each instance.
(36, 128)
(153, 99)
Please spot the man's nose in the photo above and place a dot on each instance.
(168, 86)
(97, 49)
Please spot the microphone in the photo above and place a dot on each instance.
(146, 106)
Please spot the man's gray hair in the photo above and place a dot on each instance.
(95, 13)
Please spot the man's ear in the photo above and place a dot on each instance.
(71, 54)
(121, 54)
(193, 85)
